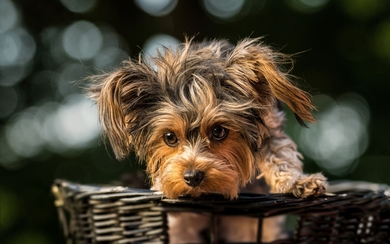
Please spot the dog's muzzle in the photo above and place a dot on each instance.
(193, 177)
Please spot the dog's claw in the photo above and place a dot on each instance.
(310, 185)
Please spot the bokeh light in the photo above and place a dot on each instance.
(8, 101)
(8, 158)
(8, 16)
(68, 76)
(75, 123)
(45, 86)
(62, 120)
(17, 47)
(109, 57)
(12, 75)
(24, 134)
(106, 51)
(340, 137)
(362, 9)
(381, 44)
(113, 52)
(155, 44)
(79, 6)
(72, 125)
(82, 40)
(223, 9)
(157, 7)
(54, 54)
(307, 6)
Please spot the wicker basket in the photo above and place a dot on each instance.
(355, 213)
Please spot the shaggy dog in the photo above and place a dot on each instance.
(206, 118)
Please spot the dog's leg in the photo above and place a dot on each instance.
(234, 229)
(281, 165)
(187, 227)
(244, 229)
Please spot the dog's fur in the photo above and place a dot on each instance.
(212, 108)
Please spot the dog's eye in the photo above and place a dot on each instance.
(219, 132)
(170, 139)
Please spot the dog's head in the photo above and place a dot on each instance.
(197, 116)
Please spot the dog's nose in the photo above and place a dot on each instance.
(193, 177)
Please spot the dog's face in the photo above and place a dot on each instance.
(198, 118)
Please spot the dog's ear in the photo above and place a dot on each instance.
(122, 96)
(258, 64)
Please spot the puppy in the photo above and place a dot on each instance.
(206, 119)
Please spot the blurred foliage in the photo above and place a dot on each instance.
(343, 46)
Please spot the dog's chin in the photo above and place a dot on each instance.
(217, 178)
(199, 193)
(175, 188)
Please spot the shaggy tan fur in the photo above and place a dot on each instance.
(211, 108)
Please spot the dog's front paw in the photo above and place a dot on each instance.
(310, 185)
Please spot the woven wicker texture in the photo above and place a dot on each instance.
(355, 213)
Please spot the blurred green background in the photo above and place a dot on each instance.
(49, 129)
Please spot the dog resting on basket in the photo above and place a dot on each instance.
(206, 118)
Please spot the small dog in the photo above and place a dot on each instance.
(206, 118)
